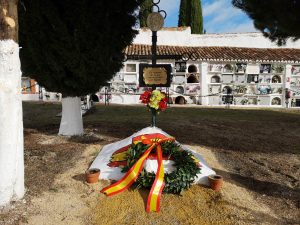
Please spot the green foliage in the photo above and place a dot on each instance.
(196, 17)
(74, 46)
(145, 10)
(276, 19)
(184, 13)
(190, 14)
(175, 182)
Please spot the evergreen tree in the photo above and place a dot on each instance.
(145, 10)
(196, 22)
(74, 46)
(276, 19)
(184, 13)
(190, 14)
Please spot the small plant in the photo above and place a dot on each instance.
(254, 101)
(244, 101)
(278, 68)
(47, 95)
(240, 89)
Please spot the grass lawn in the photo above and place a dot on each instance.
(261, 130)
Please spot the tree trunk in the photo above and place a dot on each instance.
(71, 119)
(11, 121)
(9, 20)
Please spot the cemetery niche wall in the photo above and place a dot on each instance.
(253, 82)
(258, 73)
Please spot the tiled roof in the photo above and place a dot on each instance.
(288, 55)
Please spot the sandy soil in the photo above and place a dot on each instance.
(198, 205)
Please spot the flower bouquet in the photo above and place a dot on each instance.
(155, 100)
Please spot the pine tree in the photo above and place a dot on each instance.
(278, 20)
(190, 14)
(75, 46)
(145, 10)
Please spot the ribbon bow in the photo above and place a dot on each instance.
(154, 141)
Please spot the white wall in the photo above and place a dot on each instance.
(183, 37)
(30, 97)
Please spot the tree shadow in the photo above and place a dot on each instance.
(86, 139)
(261, 218)
(263, 187)
(79, 177)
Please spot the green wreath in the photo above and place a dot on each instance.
(175, 182)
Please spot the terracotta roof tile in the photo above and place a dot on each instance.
(290, 55)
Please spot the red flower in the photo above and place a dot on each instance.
(162, 105)
(145, 97)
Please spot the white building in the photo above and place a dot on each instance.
(247, 68)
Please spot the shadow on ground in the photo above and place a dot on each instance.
(262, 187)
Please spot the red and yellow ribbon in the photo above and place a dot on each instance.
(154, 141)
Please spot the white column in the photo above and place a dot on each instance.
(204, 85)
(137, 73)
(11, 124)
(287, 77)
(71, 118)
(286, 83)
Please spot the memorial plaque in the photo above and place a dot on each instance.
(158, 75)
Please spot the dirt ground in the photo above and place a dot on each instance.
(261, 168)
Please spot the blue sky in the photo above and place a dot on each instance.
(219, 16)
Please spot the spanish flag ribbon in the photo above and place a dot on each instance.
(154, 141)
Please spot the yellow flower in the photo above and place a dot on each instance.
(154, 104)
(156, 97)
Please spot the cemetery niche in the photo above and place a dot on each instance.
(295, 70)
(265, 68)
(180, 67)
(240, 67)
